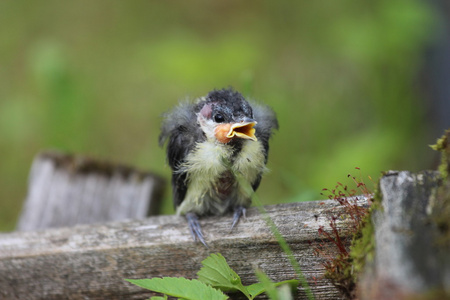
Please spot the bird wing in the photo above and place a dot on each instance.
(181, 129)
(266, 123)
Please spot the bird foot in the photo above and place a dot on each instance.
(239, 211)
(195, 228)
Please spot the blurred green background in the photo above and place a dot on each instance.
(94, 77)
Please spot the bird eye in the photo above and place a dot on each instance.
(218, 118)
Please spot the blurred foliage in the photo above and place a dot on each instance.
(93, 77)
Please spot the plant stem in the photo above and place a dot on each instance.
(286, 249)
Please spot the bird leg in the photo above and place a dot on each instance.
(195, 228)
(239, 211)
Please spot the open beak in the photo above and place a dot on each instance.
(244, 130)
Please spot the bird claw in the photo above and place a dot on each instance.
(239, 211)
(195, 228)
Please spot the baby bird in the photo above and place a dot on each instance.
(217, 149)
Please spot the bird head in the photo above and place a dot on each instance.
(225, 115)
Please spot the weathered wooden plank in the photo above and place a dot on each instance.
(409, 260)
(66, 190)
(90, 262)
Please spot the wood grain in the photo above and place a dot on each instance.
(67, 190)
(91, 262)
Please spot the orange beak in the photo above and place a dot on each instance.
(226, 131)
(244, 130)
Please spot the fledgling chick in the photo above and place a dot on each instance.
(217, 150)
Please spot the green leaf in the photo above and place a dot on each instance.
(217, 273)
(158, 298)
(268, 284)
(259, 288)
(180, 287)
(256, 289)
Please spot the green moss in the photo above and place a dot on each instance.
(346, 269)
(440, 212)
(362, 251)
(342, 276)
(442, 145)
(440, 209)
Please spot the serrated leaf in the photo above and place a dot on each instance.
(180, 287)
(217, 273)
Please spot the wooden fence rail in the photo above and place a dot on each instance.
(90, 261)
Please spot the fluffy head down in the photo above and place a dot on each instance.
(208, 172)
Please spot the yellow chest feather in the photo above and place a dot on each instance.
(207, 163)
